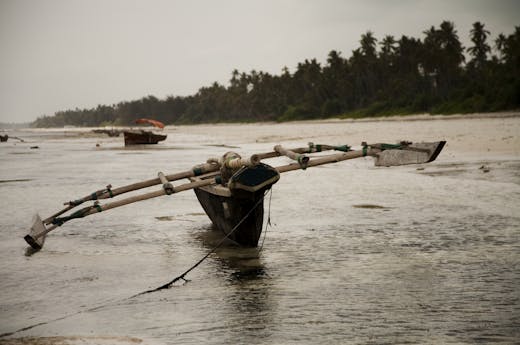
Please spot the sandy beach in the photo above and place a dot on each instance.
(476, 134)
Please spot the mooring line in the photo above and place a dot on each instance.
(3, 335)
(174, 280)
(268, 223)
(165, 286)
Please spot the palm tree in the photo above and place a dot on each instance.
(500, 44)
(480, 49)
(368, 44)
(443, 57)
(388, 48)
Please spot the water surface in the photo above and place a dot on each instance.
(354, 255)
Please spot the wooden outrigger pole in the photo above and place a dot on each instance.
(226, 186)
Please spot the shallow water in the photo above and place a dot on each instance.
(355, 254)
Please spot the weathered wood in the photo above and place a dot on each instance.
(239, 212)
(249, 185)
(227, 212)
(417, 153)
(162, 178)
(312, 148)
(151, 195)
(328, 159)
(33, 238)
(384, 155)
(110, 193)
(300, 158)
(142, 137)
(235, 163)
(167, 186)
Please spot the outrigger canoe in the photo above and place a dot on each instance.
(231, 189)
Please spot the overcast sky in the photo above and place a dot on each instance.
(62, 54)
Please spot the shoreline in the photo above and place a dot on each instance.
(390, 118)
(479, 134)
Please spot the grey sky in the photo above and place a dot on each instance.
(62, 54)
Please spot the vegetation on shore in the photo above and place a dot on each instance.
(386, 77)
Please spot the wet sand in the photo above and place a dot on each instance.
(355, 254)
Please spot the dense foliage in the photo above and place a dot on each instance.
(384, 77)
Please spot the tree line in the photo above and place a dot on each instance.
(381, 77)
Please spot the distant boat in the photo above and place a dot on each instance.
(143, 137)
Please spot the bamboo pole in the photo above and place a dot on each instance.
(338, 157)
(110, 193)
(312, 148)
(302, 160)
(235, 163)
(272, 154)
(155, 194)
(198, 170)
(150, 195)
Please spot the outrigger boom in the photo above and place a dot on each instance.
(230, 188)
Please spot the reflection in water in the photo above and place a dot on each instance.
(248, 285)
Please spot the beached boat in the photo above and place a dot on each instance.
(236, 208)
(144, 137)
(231, 189)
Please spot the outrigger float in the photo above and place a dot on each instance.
(231, 189)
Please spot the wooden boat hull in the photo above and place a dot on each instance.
(226, 212)
(142, 138)
(238, 209)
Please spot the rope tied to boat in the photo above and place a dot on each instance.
(82, 213)
(92, 196)
(319, 148)
(268, 222)
(365, 148)
(59, 221)
(391, 146)
(343, 148)
(183, 275)
(303, 161)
